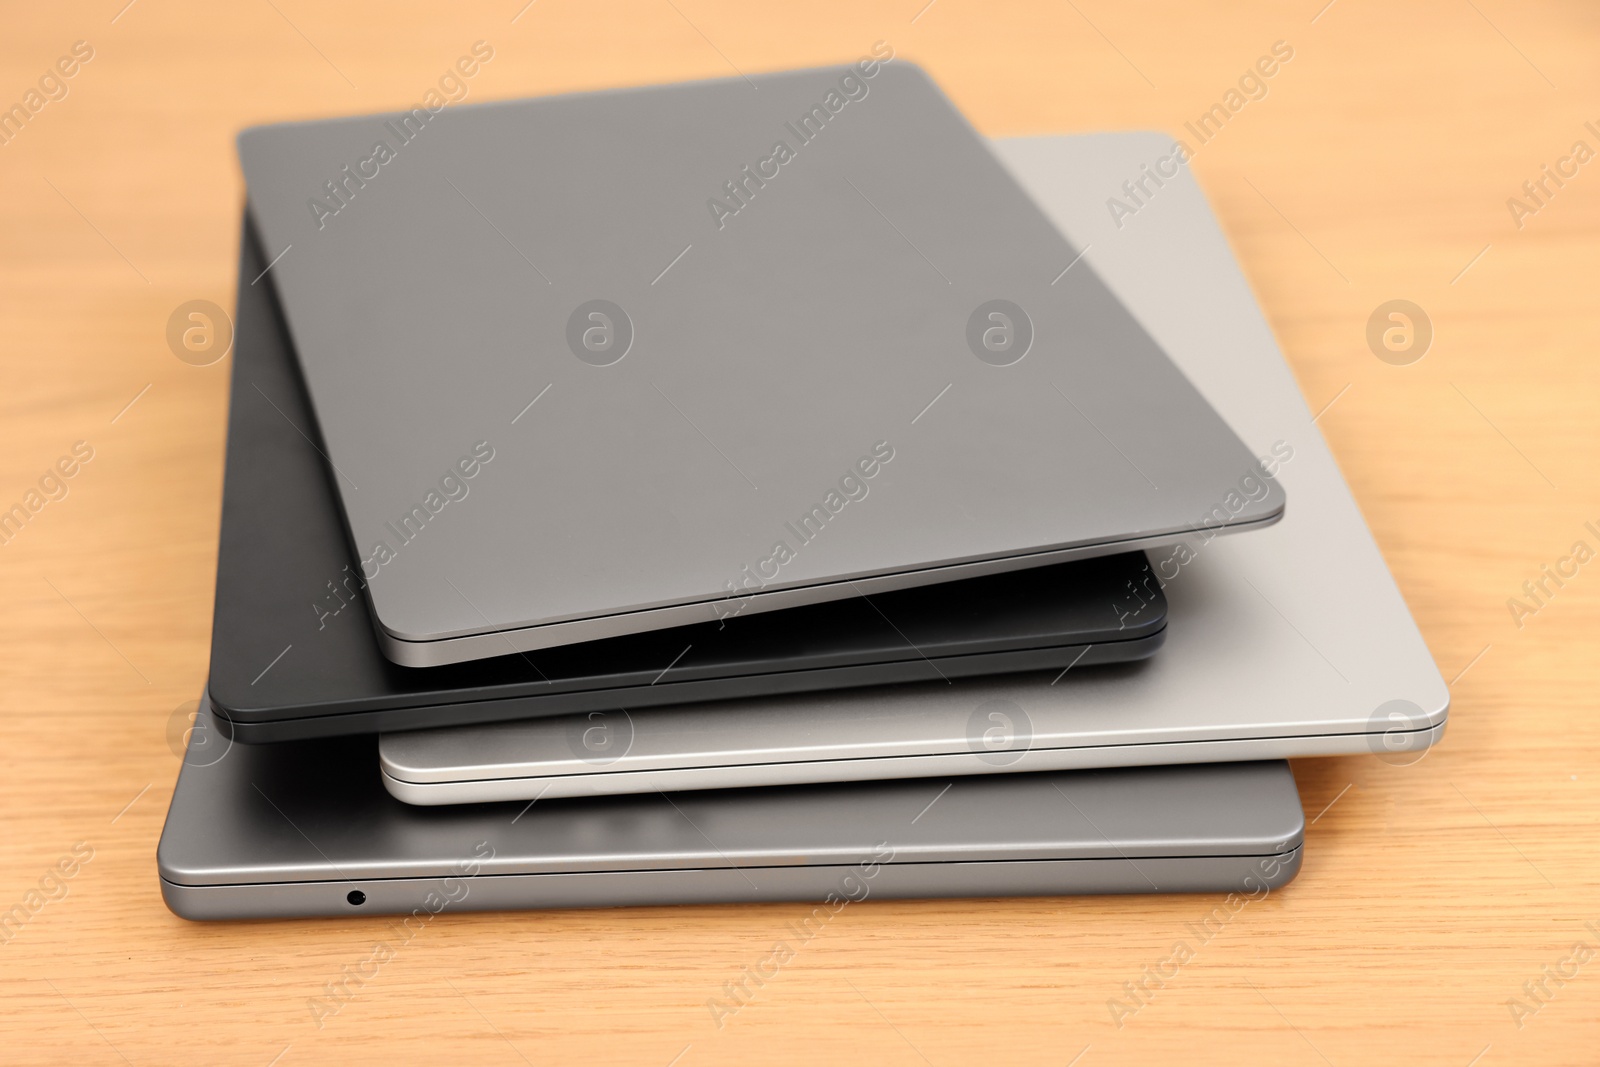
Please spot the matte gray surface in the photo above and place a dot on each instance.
(1291, 642)
(769, 353)
(295, 828)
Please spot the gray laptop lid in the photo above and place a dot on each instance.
(1293, 641)
(304, 828)
(885, 369)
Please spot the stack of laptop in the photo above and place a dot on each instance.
(762, 489)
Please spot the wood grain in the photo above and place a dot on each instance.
(1378, 166)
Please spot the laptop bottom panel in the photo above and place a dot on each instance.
(831, 888)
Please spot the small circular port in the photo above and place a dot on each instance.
(356, 897)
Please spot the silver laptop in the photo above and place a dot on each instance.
(304, 828)
(1293, 641)
(611, 362)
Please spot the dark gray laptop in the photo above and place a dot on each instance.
(293, 654)
(611, 362)
(306, 828)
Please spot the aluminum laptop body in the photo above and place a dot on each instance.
(1293, 641)
(706, 350)
(305, 828)
(294, 655)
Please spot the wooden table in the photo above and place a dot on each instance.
(1377, 166)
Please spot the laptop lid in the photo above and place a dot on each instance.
(669, 413)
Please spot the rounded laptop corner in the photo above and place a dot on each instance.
(402, 650)
(182, 901)
(1281, 869)
(392, 760)
(1270, 509)
(414, 794)
(180, 879)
